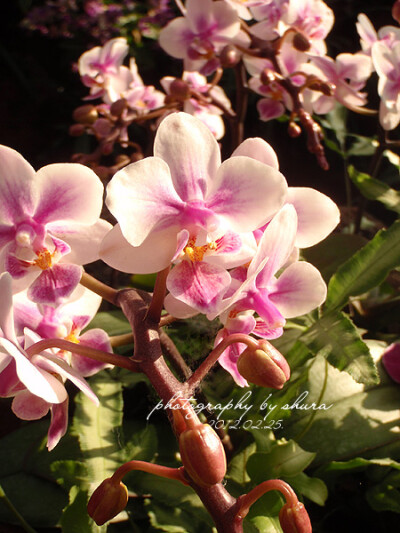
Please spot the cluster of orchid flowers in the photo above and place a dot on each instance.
(227, 235)
(279, 52)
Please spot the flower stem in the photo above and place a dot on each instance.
(121, 340)
(92, 353)
(247, 500)
(157, 301)
(151, 468)
(197, 376)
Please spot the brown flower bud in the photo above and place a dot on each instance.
(396, 11)
(229, 56)
(76, 130)
(85, 114)
(108, 500)
(179, 90)
(300, 42)
(118, 107)
(264, 366)
(294, 519)
(267, 76)
(203, 455)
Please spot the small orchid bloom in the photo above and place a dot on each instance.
(48, 218)
(140, 97)
(183, 204)
(101, 70)
(203, 109)
(313, 18)
(387, 64)
(200, 35)
(348, 73)
(368, 35)
(298, 289)
(36, 382)
(66, 322)
(269, 13)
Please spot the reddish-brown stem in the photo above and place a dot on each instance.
(92, 353)
(107, 293)
(219, 503)
(197, 376)
(157, 301)
(247, 500)
(151, 468)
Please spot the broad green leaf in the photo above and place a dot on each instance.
(175, 520)
(385, 496)
(237, 466)
(99, 429)
(332, 252)
(336, 338)
(358, 421)
(361, 145)
(374, 189)
(335, 468)
(312, 488)
(284, 460)
(75, 518)
(366, 269)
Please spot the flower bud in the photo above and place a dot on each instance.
(396, 11)
(108, 500)
(118, 107)
(301, 43)
(264, 366)
(85, 114)
(76, 130)
(267, 76)
(179, 90)
(294, 519)
(203, 455)
(229, 56)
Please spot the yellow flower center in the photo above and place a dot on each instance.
(196, 253)
(44, 260)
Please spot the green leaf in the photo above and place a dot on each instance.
(332, 252)
(385, 496)
(99, 429)
(284, 460)
(267, 524)
(360, 421)
(75, 518)
(374, 189)
(366, 269)
(336, 338)
(312, 488)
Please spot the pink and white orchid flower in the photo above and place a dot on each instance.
(183, 204)
(48, 218)
(387, 64)
(66, 322)
(296, 291)
(35, 382)
(102, 71)
(200, 35)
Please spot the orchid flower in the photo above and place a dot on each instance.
(66, 322)
(387, 64)
(296, 291)
(207, 112)
(348, 73)
(36, 382)
(183, 204)
(200, 35)
(102, 71)
(48, 218)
